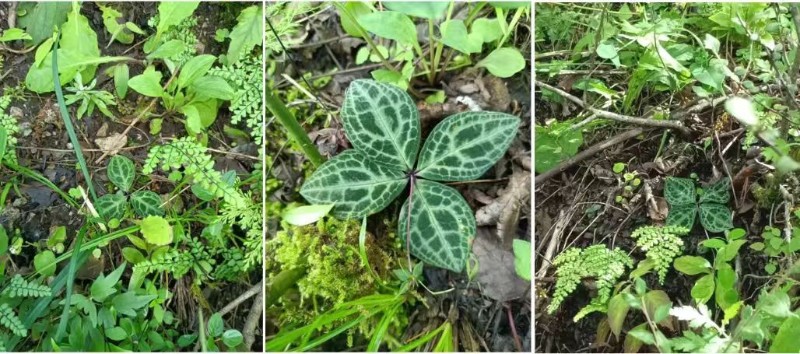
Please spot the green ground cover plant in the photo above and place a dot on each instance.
(152, 228)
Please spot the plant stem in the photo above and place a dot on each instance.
(73, 138)
(511, 26)
(413, 178)
(363, 33)
(293, 129)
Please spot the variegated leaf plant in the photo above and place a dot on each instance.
(684, 204)
(382, 123)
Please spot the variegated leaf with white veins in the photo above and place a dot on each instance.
(382, 122)
(355, 184)
(463, 146)
(441, 225)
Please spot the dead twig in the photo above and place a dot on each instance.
(255, 290)
(253, 320)
(669, 124)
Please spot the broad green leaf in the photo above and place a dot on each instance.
(13, 34)
(171, 13)
(42, 17)
(167, 49)
(306, 214)
(711, 43)
(356, 9)
(146, 203)
(132, 255)
(692, 265)
(715, 243)
(726, 294)
(617, 311)
(776, 303)
(194, 124)
(116, 334)
(682, 215)
(45, 263)
(40, 78)
(156, 230)
(127, 303)
(79, 38)
(213, 87)
(553, 147)
(715, 217)
(679, 191)
(729, 252)
(703, 289)
(356, 185)
(194, 69)
(121, 172)
(215, 325)
(105, 286)
(111, 19)
(111, 206)
(391, 77)
(510, 5)
(3, 142)
(232, 338)
(121, 77)
(503, 62)
(248, 33)
(148, 83)
(455, 35)
(441, 225)
(382, 122)
(390, 24)
(717, 192)
(465, 145)
(787, 340)
(655, 303)
(522, 258)
(426, 9)
(487, 29)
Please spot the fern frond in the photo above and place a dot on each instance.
(10, 320)
(661, 245)
(19, 287)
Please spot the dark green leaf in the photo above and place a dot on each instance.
(213, 87)
(692, 265)
(121, 172)
(717, 192)
(356, 185)
(127, 303)
(715, 217)
(232, 338)
(215, 325)
(464, 146)
(382, 122)
(679, 191)
(146, 203)
(617, 310)
(682, 215)
(441, 225)
(111, 206)
(194, 69)
(105, 286)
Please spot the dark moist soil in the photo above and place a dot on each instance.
(482, 322)
(44, 143)
(592, 184)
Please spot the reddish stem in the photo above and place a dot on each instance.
(513, 328)
(413, 179)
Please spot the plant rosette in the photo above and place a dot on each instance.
(685, 203)
(382, 123)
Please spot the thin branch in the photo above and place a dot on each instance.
(618, 117)
(796, 19)
(256, 289)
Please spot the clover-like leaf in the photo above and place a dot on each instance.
(111, 206)
(717, 192)
(382, 122)
(463, 146)
(679, 191)
(441, 225)
(715, 217)
(146, 203)
(682, 215)
(121, 172)
(356, 185)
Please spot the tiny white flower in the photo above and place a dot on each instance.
(742, 109)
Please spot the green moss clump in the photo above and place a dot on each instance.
(334, 272)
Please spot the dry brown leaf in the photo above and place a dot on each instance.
(112, 144)
(496, 272)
